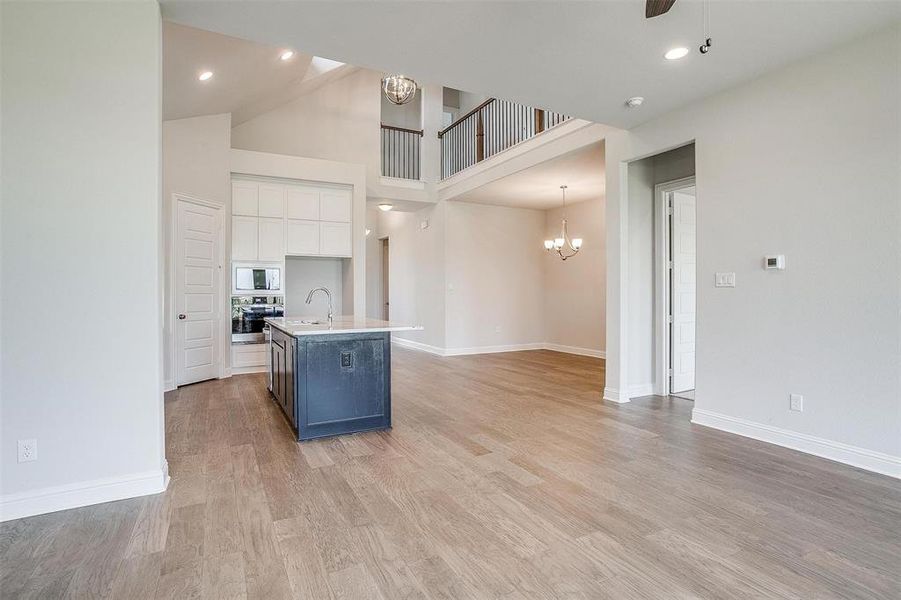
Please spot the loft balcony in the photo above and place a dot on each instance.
(490, 128)
(487, 127)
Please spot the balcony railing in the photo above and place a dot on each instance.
(400, 152)
(489, 128)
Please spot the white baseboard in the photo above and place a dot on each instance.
(417, 346)
(246, 370)
(644, 389)
(168, 385)
(494, 349)
(85, 493)
(575, 350)
(613, 395)
(869, 460)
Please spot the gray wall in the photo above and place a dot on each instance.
(303, 274)
(81, 234)
(643, 176)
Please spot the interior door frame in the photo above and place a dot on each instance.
(224, 367)
(662, 297)
(385, 286)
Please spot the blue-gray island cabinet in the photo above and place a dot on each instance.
(331, 379)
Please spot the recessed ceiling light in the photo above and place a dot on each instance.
(287, 54)
(205, 76)
(385, 207)
(676, 53)
(634, 101)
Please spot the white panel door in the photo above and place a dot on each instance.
(197, 287)
(303, 203)
(683, 291)
(303, 237)
(245, 238)
(272, 200)
(272, 239)
(334, 239)
(335, 205)
(245, 199)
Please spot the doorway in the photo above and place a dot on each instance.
(385, 304)
(677, 286)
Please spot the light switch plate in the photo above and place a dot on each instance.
(796, 402)
(725, 280)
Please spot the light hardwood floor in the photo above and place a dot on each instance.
(505, 476)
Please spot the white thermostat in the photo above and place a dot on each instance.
(774, 261)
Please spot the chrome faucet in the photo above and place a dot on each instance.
(327, 293)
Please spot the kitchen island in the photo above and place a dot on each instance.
(331, 378)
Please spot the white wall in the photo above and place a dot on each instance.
(81, 237)
(478, 278)
(195, 163)
(574, 291)
(339, 121)
(408, 116)
(802, 161)
(416, 271)
(373, 264)
(495, 259)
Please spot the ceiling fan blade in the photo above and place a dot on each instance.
(655, 8)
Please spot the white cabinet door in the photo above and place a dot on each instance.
(245, 198)
(272, 239)
(303, 203)
(245, 237)
(272, 200)
(334, 239)
(335, 205)
(303, 237)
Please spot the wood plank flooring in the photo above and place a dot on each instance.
(505, 476)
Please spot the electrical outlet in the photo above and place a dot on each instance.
(497, 329)
(796, 402)
(28, 450)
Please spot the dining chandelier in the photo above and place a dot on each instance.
(563, 245)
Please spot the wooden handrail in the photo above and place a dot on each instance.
(466, 116)
(404, 129)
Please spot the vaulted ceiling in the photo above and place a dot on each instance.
(248, 78)
(580, 58)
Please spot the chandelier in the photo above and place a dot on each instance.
(399, 89)
(559, 244)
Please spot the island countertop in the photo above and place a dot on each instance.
(295, 326)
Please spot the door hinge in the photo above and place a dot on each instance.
(669, 372)
(669, 318)
(669, 210)
(669, 264)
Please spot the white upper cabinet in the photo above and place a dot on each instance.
(245, 198)
(245, 238)
(335, 239)
(272, 200)
(335, 205)
(271, 220)
(303, 237)
(303, 203)
(272, 239)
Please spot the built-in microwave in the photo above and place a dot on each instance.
(257, 279)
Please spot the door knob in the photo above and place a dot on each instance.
(182, 317)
